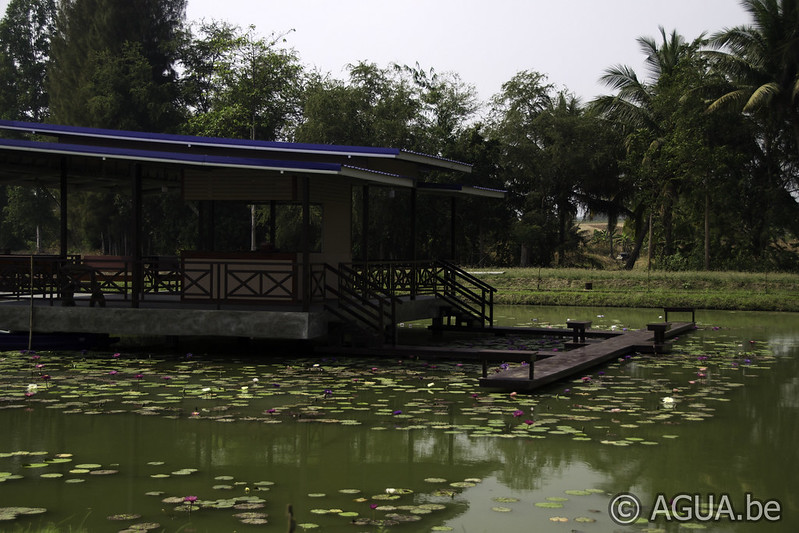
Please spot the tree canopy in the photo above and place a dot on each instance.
(692, 164)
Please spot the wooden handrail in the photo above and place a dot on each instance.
(360, 300)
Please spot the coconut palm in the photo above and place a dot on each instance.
(762, 63)
(634, 108)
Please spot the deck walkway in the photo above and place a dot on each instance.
(547, 366)
(569, 363)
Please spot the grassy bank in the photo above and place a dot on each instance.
(639, 288)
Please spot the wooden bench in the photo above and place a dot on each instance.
(667, 310)
(659, 328)
(578, 328)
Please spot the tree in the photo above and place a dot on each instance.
(113, 63)
(759, 66)
(240, 86)
(762, 62)
(25, 34)
(634, 108)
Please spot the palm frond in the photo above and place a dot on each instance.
(733, 100)
(762, 97)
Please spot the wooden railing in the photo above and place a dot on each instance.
(465, 292)
(358, 300)
(367, 292)
(25, 275)
(468, 295)
(218, 281)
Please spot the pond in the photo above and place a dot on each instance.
(223, 441)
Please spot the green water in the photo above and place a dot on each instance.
(387, 439)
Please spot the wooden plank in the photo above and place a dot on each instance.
(505, 330)
(576, 361)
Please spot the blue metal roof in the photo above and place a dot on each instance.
(219, 142)
(78, 131)
(168, 157)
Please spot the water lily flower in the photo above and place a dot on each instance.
(517, 413)
(32, 388)
(529, 422)
(397, 412)
(113, 373)
(189, 355)
(391, 491)
(190, 500)
(116, 355)
(40, 366)
(138, 376)
(328, 393)
(255, 380)
(271, 411)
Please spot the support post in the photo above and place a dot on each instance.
(453, 231)
(273, 223)
(63, 212)
(136, 193)
(414, 266)
(365, 225)
(306, 243)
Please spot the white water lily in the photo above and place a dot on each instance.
(32, 387)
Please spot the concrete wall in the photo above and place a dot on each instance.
(155, 322)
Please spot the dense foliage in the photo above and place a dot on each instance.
(693, 166)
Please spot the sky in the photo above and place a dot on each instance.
(485, 42)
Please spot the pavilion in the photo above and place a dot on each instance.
(261, 293)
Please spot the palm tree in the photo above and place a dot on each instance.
(762, 63)
(634, 108)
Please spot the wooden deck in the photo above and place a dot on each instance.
(542, 367)
(562, 365)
